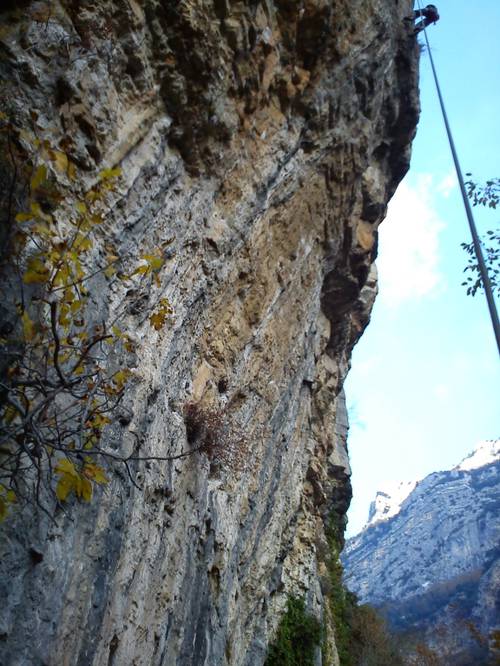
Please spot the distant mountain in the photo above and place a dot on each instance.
(429, 557)
(387, 502)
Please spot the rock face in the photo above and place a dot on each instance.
(433, 564)
(259, 142)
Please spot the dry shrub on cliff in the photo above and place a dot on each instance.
(423, 656)
(211, 431)
(371, 641)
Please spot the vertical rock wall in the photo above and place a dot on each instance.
(259, 143)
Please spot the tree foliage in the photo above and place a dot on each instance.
(60, 383)
(487, 195)
(299, 633)
(361, 633)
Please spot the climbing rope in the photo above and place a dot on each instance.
(468, 210)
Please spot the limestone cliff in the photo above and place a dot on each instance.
(259, 143)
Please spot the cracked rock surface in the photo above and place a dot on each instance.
(260, 142)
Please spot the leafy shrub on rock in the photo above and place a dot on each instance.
(299, 634)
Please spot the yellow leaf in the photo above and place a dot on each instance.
(71, 170)
(91, 442)
(62, 276)
(60, 159)
(28, 327)
(95, 472)
(69, 480)
(29, 138)
(106, 174)
(64, 486)
(68, 296)
(24, 217)
(35, 208)
(120, 378)
(65, 466)
(85, 490)
(63, 318)
(54, 256)
(166, 305)
(77, 485)
(82, 243)
(38, 212)
(100, 420)
(79, 274)
(157, 320)
(140, 270)
(36, 271)
(43, 229)
(154, 261)
(9, 414)
(93, 195)
(39, 177)
(81, 207)
(65, 356)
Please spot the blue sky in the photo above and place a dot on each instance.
(423, 388)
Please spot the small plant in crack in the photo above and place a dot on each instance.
(211, 431)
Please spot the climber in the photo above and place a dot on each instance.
(429, 14)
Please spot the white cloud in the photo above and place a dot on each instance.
(408, 261)
(447, 184)
(441, 392)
